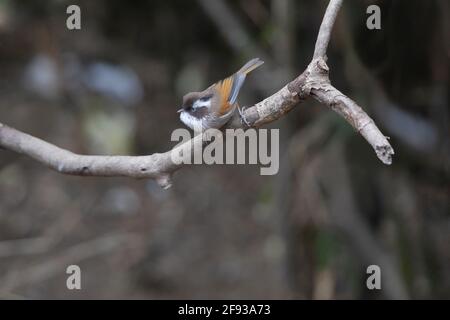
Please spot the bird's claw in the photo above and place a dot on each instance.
(241, 114)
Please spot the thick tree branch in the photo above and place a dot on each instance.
(313, 82)
(157, 166)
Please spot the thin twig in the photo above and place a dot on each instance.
(325, 29)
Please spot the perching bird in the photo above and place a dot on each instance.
(213, 107)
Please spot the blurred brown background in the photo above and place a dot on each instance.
(225, 231)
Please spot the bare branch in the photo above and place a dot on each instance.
(157, 166)
(347, 108)
(325, 29)
(313, 82)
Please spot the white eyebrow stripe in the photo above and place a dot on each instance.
(199, 104)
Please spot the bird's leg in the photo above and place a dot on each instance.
(241, 114)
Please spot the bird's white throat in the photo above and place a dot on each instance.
(192, 122)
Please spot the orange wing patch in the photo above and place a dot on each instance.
(224, 87)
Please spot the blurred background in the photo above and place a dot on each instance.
(309, 232)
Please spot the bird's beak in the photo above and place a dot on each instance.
(178, 111)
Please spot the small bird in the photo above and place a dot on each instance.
(213, 107)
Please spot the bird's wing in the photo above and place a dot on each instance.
(225, 90)
(229, 88)
(217, 122)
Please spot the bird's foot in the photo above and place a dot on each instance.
(243, 120)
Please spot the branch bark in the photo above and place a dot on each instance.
(313, 82)
(326, 27)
